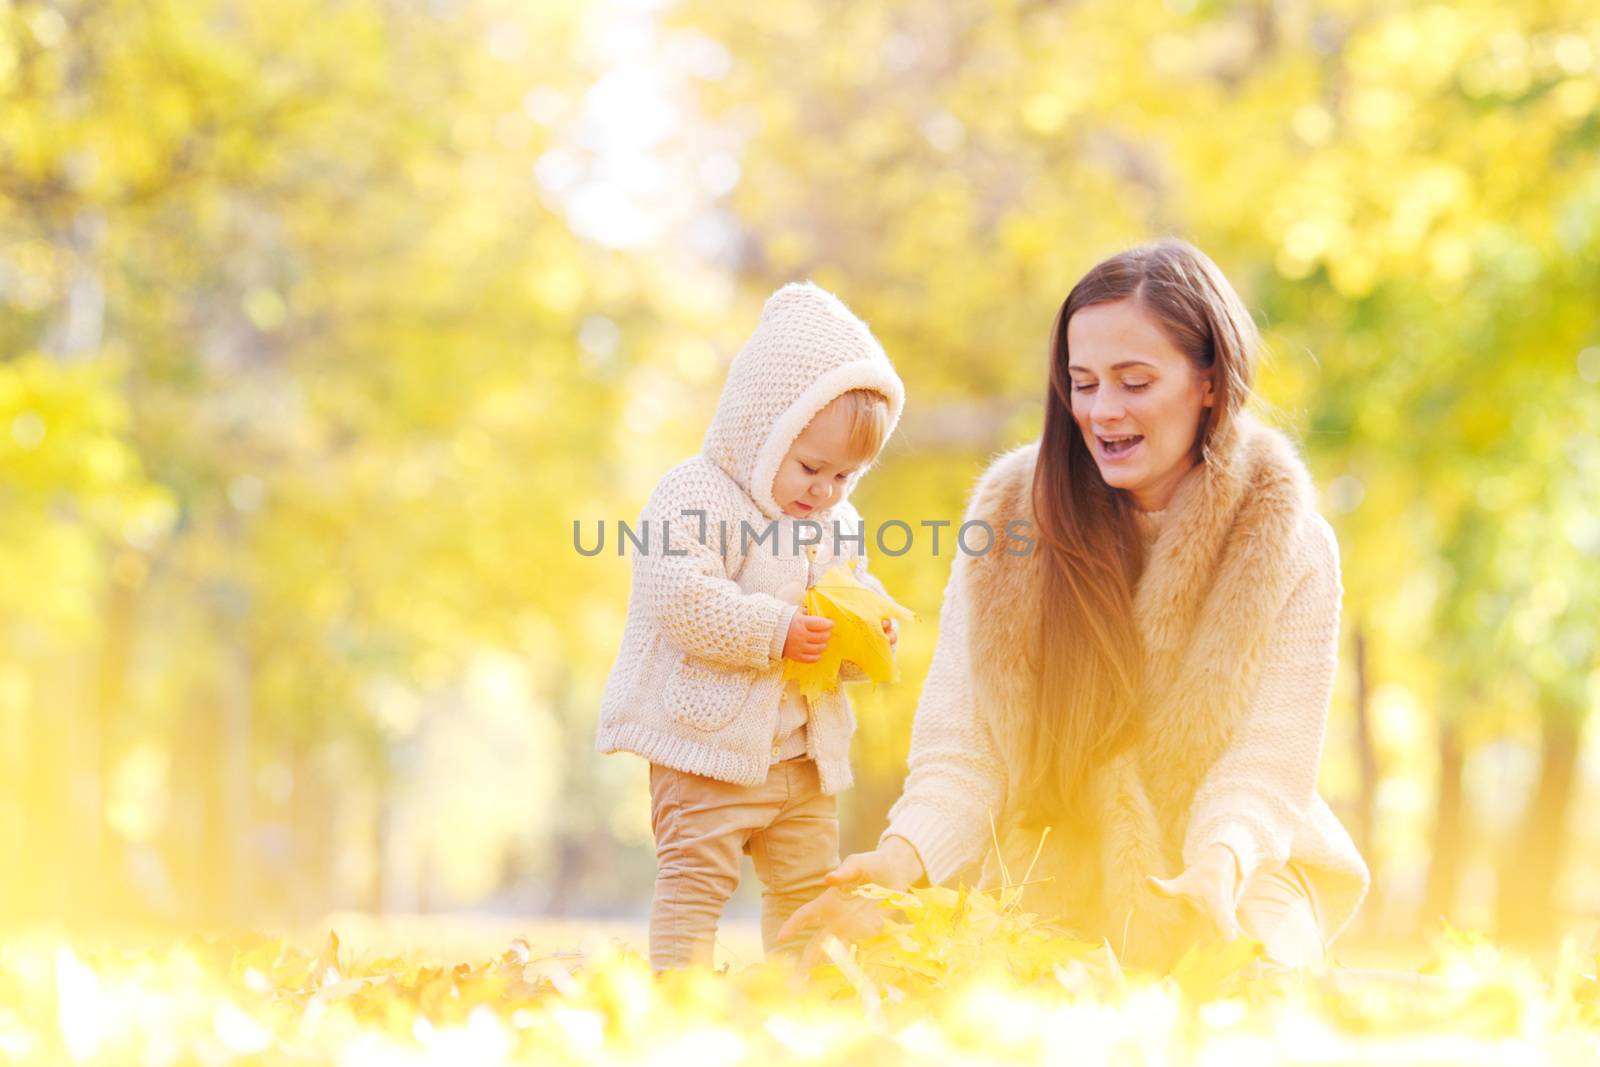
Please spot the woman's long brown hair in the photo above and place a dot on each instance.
(1087, 688)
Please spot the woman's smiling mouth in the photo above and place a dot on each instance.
(1118, 447)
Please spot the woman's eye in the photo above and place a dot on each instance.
(1138, 387)
(1083, 387)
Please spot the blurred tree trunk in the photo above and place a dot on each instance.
(15, 733)
(311, 816)
(45, 788)
(1525, 903)
(101, 881)
(1449, 826)
(237, 780)
(1367, 758)
(197, 798)
(383, 804)
(75, 333)
(213, 785)
(77, 330)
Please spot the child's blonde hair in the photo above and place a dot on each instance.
(868, 412)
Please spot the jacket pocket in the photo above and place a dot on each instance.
(703, 696)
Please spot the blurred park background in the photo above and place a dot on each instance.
(323, 321)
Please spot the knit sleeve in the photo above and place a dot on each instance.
(1262, 787)
(957, 779)
(684, 579)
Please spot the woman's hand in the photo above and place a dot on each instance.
(894, 864)
(1211, 884)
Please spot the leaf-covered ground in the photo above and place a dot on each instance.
(954, 977)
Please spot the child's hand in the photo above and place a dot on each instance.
(894, 635)
(808, 636)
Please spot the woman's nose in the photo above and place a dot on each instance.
(1105, 409)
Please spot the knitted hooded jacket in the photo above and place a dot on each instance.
(698, 680)
(1238, 613)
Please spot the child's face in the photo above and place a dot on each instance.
(813, 473)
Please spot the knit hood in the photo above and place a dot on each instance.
(808, 349)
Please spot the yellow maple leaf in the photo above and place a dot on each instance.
(857, 612)
(1205, 967)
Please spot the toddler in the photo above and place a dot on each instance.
(740, 762)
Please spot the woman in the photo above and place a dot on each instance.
(1151, 681)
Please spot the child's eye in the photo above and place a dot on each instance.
(841, 476)
(808, 470)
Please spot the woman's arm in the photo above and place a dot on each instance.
(957, 782)
(941, 821)
(957, 777)
(1259, 791)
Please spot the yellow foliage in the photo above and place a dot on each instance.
(963, 978)
(857, 635)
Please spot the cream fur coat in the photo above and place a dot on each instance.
(1238, 611)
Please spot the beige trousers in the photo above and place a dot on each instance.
(789, 827)
(1280, 909)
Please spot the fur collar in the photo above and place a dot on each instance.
(1219, 572)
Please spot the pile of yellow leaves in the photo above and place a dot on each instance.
(957, 977)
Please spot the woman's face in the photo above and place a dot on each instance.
(1136, 398)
